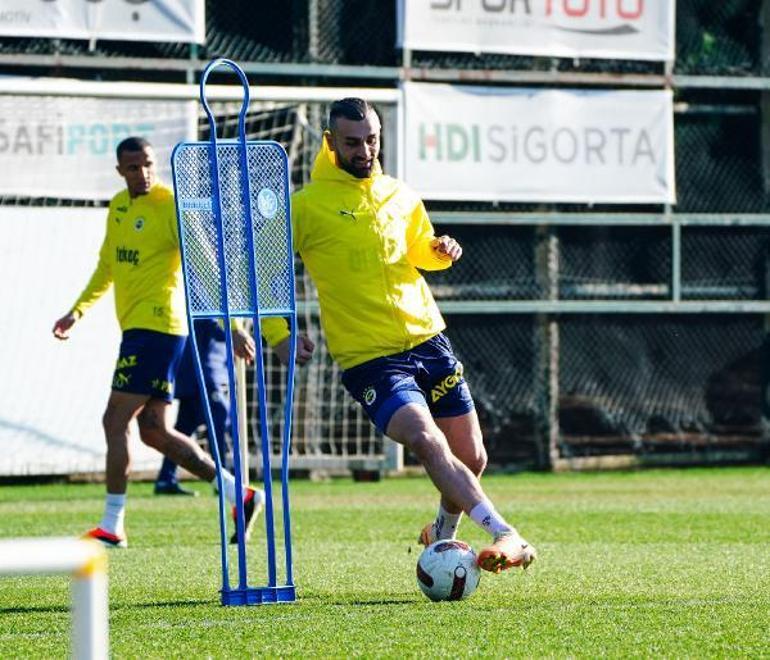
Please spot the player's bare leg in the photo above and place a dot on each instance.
(463, 434)
(157, 430)
(122, 407)
(413, 426)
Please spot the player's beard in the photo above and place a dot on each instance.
(358, 171)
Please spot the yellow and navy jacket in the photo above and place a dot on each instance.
(362, 241)
(140, 255)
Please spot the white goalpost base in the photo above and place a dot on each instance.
(86, 561)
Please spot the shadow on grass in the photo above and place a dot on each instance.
(348, 599)
(374, 601)
(41, 609)
(31, 609)
(165, 604)
(305, 599)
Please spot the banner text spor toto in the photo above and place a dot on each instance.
(532, 145)
(619, 29)
(121, 20)
(65, 146)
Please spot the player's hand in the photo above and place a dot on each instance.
(446, 246)
(61, 329)
(305, 348)
(243, 345)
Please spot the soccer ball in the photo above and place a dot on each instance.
(447, 570)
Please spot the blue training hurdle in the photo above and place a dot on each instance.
(234, 218)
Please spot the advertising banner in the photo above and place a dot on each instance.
(52, 146)
(122, 20)
(538, 145)
(615, 29)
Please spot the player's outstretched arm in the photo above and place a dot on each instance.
(61, 329)
(305, 348)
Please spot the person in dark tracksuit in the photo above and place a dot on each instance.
(212, 349)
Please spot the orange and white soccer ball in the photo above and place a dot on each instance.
(448, 570)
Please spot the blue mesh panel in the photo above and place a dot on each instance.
(268, 193)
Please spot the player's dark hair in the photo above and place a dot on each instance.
(132, 143)
(351, 108)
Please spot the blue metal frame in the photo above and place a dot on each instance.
(244, 594)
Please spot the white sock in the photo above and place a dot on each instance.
(228, 483)
(114, 514)
(486, 516)
(445, 525)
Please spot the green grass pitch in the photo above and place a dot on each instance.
(672, 563)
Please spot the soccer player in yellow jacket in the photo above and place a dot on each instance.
(140, 257)
(363, 237)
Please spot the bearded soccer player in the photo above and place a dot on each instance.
(363, 237)
(140, 256)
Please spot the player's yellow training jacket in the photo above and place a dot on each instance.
(362, 241)
(140, 255)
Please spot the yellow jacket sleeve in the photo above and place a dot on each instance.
(275, 329)
(98, 284)
(419, 239)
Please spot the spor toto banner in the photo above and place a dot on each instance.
(620, 29)
(534, 145)
(65, 147)
(122, 20)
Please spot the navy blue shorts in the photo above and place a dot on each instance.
(428, 374)
(147, 363)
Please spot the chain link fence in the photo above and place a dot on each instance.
(627, 384)
(663, 383)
